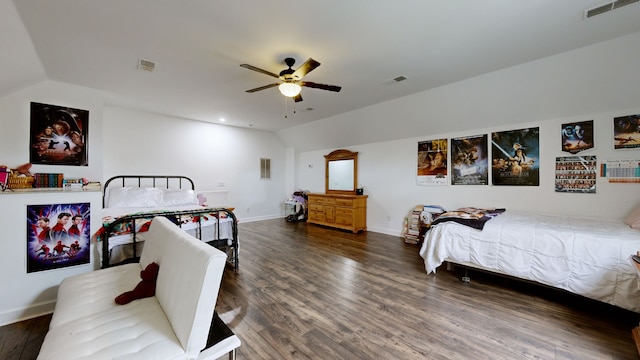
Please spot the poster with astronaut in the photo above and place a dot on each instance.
(58, 235)
(516, 157)
(469, 158)
(626, 132)
(58, 135)
(577, 136)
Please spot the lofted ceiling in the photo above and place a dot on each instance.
(197, 47)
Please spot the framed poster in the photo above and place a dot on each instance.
(432, 162)
(576, 174)
(626, 132)
(515, 157)
(577, 136)
(58, 135)
(58, 235)
(470, 160)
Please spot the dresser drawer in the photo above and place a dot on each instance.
(347, 221)
(315, 207)
(344, 202)
(327, 201)
(344, 212)
(316, 215)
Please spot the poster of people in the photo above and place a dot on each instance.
(576, 174)
(432, 162)
(577, 137)
(515, 157)
(626, 132)
(470, 160)
(58, 135)
(57, 236)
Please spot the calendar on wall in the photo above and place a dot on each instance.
(621, 171)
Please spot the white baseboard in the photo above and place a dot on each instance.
(13, 316)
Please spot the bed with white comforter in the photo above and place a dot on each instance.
(585, 256)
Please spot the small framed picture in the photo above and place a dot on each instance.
(577, 136)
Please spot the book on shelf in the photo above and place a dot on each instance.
(48, 180)
(72, 184)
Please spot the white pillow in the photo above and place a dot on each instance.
(134, 197)
(174, 197)
(633, 219)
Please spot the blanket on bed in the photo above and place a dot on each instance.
(142, 225)
(469, 216)
(584, 255)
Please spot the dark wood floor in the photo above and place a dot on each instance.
(308, 292)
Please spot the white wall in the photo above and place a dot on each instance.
(592, 83)
(223, 161)
(27, 295)
(218, 158)
(388, 172)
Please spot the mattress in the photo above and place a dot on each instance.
(585, 256)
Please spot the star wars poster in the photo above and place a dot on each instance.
(58, 135)
(57, 236)
(432, 162)
(577, 137)
(576, 174)
(626, 132)
(470, 160)
(515, 157)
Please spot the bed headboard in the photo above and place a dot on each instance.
(156, 181)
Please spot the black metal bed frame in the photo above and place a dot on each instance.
(174, 216)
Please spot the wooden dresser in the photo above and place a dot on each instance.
(348, 212)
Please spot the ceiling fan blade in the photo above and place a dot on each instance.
(297, 98)
(305, 68)
(321, 86)
(262, 87)
(251, 67)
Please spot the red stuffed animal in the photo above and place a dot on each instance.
(145, 288)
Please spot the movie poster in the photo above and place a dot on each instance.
(626, 132)
(576, 174)
(470, 160)
(432, 162)
(577, 136)
(58, 135)
(515, 157)
(57, 236)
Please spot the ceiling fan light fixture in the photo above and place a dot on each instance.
(289, 89)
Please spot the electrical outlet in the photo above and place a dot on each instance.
(221, 184)
(388, 218)
(248, 209)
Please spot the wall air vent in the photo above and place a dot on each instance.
(146, 65)
(601, 9)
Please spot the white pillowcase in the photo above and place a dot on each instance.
(134, 197)
(173, 197)
(633, 219)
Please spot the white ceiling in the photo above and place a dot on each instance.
(198, 46)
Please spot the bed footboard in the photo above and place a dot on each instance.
(223, 243)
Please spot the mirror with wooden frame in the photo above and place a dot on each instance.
(341, 172)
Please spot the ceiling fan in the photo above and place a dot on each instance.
(291, 82)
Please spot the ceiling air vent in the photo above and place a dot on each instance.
(400, 78)
(600, 9)
(146, 65)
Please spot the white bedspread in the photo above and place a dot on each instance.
(586, 256)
